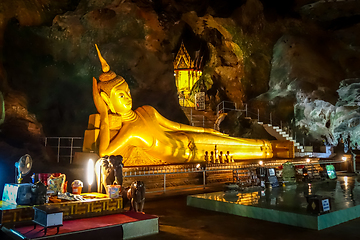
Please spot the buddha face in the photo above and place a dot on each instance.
(120, 98)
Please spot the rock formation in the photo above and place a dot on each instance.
(284, 57)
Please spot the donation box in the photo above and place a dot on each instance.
(318, 204)
(47, 216)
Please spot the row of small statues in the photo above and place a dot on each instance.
(218, 158)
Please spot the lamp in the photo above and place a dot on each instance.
(90, 173)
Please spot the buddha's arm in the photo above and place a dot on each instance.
(118, 144)
(104, 135)
(174, 126)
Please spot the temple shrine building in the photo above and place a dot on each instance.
(186, 73)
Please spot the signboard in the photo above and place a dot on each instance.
(271, 172)
(200, 101)
(325, 205)
(272, 178)
(330, 170)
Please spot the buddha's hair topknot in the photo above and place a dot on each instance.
(108, 79)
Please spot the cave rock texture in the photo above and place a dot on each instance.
(297, 60)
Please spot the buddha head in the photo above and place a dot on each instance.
(113, 89)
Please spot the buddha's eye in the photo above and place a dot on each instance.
(121, 95)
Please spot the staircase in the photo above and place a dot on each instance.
(275, 131)
(197, 118)
(279, 134)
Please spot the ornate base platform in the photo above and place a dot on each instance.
(289, 204)
(10, 213)
(116, 226)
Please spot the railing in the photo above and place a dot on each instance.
(64, 147)
(203, 170)
(226, 106)
(213, 168)
(268, 118)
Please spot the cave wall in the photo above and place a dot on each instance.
(310, 70)
(284, 57)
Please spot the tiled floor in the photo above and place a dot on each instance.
(129, 224)
(177, 221)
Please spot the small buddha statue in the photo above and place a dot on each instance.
(227, 157)
(221, 159)
(206, 157)
(212, 158)
(121, 130)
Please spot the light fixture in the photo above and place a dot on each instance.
(90, 173)
(261, 163)
(308, 160)
(344, 158)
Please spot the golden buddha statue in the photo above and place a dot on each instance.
(145, 137)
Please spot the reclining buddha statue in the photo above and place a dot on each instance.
(145, 137)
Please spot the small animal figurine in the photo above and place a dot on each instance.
(136, 195)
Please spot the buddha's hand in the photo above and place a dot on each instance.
(101, 106)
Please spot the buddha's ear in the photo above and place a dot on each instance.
(106, 99)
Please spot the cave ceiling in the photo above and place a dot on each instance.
(295, 58)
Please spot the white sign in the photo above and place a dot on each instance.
(200, 101)
(325, 205)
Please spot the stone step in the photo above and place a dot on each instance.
(211, 127)
(199, 118)
(203, 115)
(204, 126)
(194, 110)
(202, 122)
